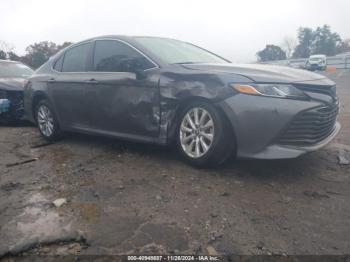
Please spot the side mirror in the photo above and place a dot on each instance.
(140, 74)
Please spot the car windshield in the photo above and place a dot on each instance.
(316, 58)
(9, 69)
(177, 52)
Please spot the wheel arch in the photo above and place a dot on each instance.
(37, 97)
(187, 101)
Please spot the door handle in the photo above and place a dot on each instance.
(51, 80)
(91, 81)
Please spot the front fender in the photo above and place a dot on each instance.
(179, 87)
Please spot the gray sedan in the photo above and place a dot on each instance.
(13, 76)
(165, 91)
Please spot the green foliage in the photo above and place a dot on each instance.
(36, 54)
(271, 53)
(64, 45)
(39, 53)
(13, 56)
(325, 41)
(345, 46)
(2, 55)
(305, 38)
(319, 41)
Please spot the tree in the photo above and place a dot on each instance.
(3, 55)
(13, 56)
(319, 41)
(38, 53)
(6, 46)
(289, 43)
(305, 38)
(271, 53)
(64, 45)
(345, 46)
(325, 41)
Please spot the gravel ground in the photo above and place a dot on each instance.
(128, 198)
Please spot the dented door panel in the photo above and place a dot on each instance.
(121, 103)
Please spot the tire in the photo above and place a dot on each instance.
(218, 149)
(47, 124)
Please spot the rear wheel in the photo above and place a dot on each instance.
(47, 122)
(203, 137)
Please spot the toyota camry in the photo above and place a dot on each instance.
(166, 91)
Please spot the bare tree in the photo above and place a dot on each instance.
(289, 44)
(6, 46)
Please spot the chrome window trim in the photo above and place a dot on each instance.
(103, 72)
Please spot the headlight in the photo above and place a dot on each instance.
(274, 90)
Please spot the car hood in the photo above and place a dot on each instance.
(265, 73)
(13, 83)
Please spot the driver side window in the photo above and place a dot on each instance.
(115, 56)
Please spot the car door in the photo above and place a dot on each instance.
(124, 91)
(67, 86)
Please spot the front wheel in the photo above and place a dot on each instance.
(203, 137)
(47, 122)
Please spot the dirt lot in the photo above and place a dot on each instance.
(126, 198)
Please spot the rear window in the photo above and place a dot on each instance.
(58, 64)
(75, 59)
(9, 69)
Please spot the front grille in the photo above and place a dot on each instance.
(17, 107)
(311, 126)
(327, 90)
(16, 110)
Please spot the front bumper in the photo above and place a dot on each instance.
(284, 151)
(260, 122)
(11, 105)
(316, 66)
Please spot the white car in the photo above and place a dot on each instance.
(316, 62)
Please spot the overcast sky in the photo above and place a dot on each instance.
(234, 29)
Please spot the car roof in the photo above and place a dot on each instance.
(127, 37)
(9, 61)
(317, 56)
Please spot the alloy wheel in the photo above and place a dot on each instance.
(45, 121)
(197, 132)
